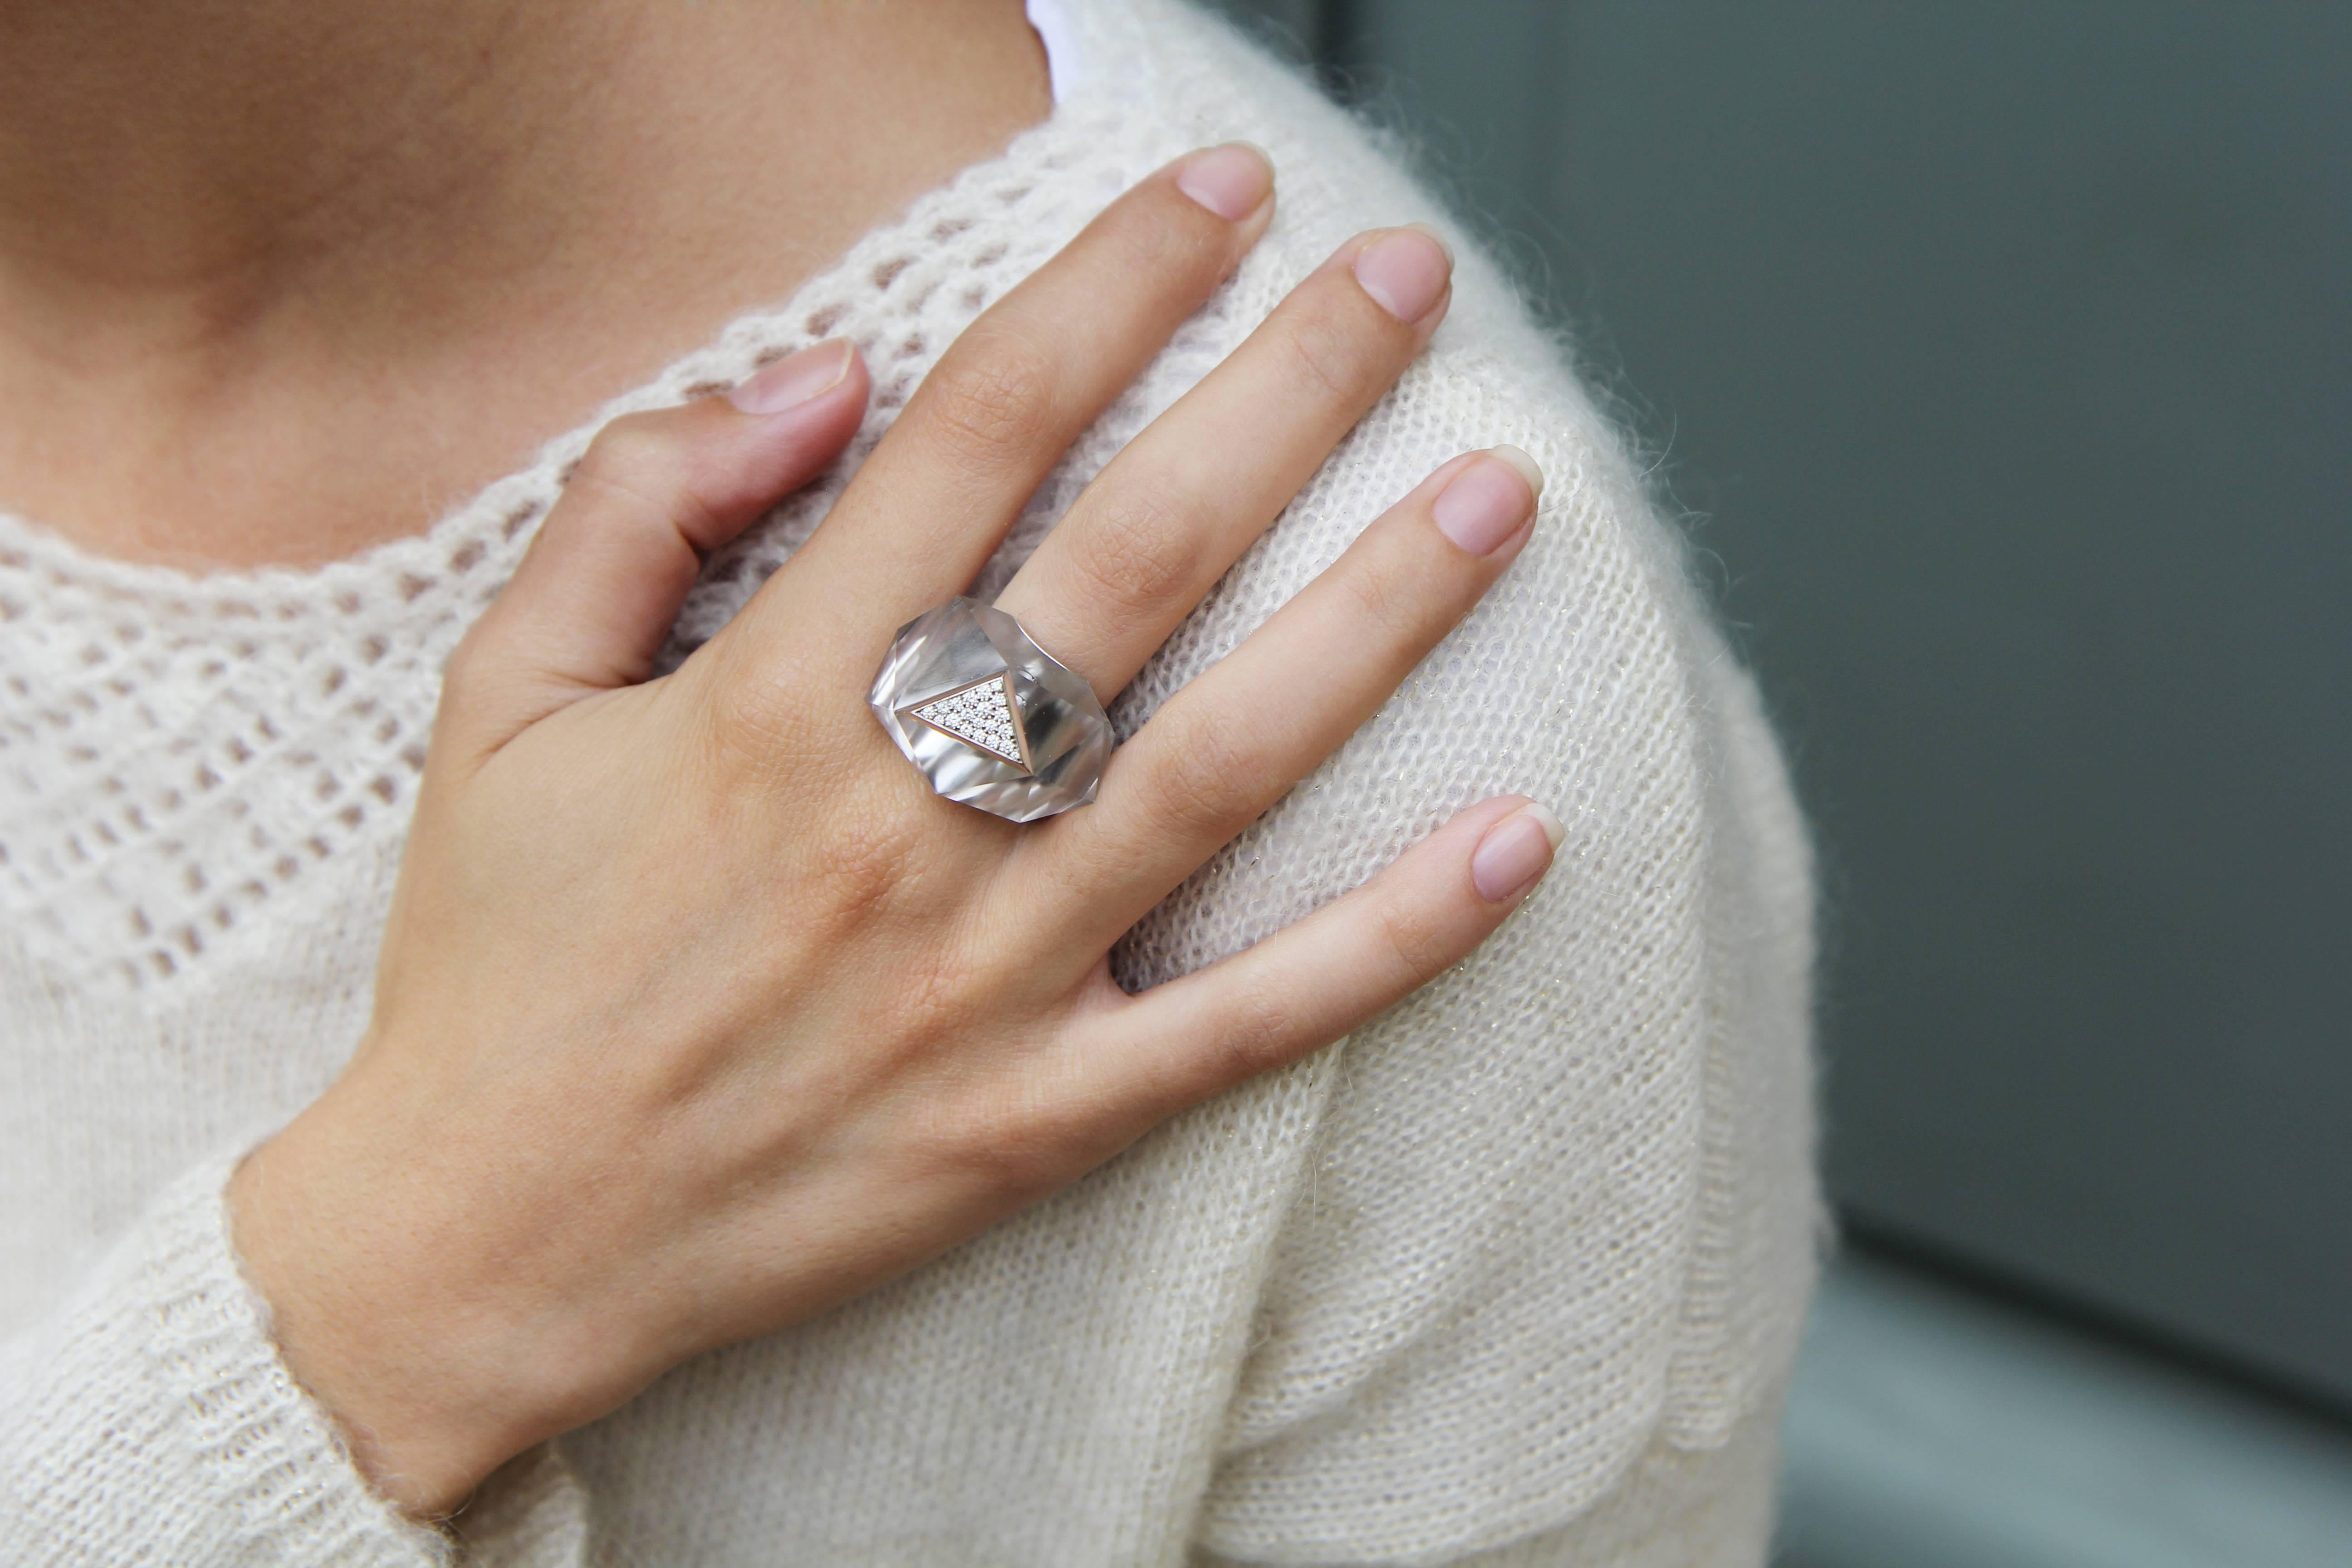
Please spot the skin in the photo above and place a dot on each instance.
(280, 280)
(631, 1090)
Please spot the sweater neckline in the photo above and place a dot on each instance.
(40, 558)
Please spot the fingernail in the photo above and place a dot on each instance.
(1405, 270)
(1489, 501)
(1515, 853)
(1232, 181)
(795, 379)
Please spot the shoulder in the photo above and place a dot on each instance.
(1560, 1207)
(1593, 676)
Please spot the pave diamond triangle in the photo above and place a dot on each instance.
(983, 716)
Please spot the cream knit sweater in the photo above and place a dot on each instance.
(1512, 1276)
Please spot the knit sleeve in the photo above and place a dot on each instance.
(1710, 1509)
(150, 1419)
(1549, 1256)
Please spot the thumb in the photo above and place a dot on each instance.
(598, 589)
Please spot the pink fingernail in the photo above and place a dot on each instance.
(1489, 501)
(1516, 853)
(795, 379)
(1232, 181)
(1405, 271)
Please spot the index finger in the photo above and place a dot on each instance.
(994, 415)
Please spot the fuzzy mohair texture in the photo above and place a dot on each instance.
(1514, 1275)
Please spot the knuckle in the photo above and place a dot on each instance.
(1257, 1030)
(1208, 785)
(1164, 239)
(992, 402)
(1414, 939)
(641, 459)
(634, 452)
(756, 735)
(1388, 599)
(862, 865)
(463, 676)
(999, 1134)
(1028, 1152)
(752, 723)
(1331, 357)
(1140, 554)
(926, 1007)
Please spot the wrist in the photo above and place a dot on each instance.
(368, 1323)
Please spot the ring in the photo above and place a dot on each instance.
(991, 718)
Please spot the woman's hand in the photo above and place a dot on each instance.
(697, 1012)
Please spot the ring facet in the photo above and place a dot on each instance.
(989, 718)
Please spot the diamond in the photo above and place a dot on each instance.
(983, 716)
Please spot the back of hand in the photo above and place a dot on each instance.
(698, 1011)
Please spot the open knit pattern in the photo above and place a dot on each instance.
(1514, 1276)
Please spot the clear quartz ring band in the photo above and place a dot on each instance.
(988, 717)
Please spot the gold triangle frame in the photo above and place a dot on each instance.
(1011, 706)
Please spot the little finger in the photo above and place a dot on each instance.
(1316, 978)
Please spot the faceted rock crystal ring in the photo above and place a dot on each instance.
(992, 720)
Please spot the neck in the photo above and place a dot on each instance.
(204, 206)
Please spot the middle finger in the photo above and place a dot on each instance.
(932, 502)
(1163, 521)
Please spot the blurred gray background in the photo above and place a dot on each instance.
(2002, 356)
